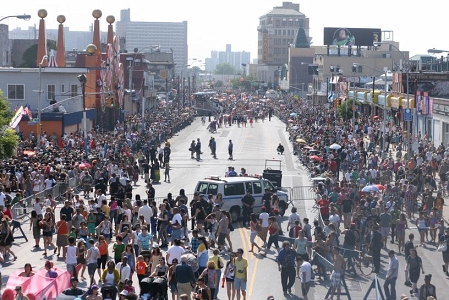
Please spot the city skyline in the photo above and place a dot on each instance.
(211, 26)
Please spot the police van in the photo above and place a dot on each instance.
(234, 188)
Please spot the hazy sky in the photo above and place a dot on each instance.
(212, 24)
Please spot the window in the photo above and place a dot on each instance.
(257, 188)
(234, 189)
(51, 91)
(73, 90)
(268, 186)
(249, 187)
(284, 32)
(212, 189)
(16, 92)
(284, 22)
(290, 22)
(202, 188)
(278, 23)
(62, 88)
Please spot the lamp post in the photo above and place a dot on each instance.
(40, 91)
(22, 17)
(407, 70)
(83, 79)
(385, 71)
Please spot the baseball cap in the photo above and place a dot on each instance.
(124, 293)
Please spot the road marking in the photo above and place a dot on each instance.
(251, 257)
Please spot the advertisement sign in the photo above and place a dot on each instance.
(422, 101)
(351, 36)
(265, 46)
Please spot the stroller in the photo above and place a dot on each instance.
(156, 287)
(109, 292)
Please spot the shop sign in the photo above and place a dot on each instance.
(441, 109)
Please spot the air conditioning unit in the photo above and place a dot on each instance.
(386, 55)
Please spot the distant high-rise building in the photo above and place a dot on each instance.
(235, 59)
(159, 36)
(277, 30)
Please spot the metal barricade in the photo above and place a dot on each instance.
(304, 193)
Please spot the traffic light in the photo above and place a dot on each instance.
(112, 102)
(337, 102)
(278, 88)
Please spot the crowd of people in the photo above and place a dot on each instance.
(370, 193)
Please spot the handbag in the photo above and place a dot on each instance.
(442, 247)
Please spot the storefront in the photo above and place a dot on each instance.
(361, 97)
(382, 103)
(440, 122)
(395, 106)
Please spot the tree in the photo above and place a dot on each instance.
(30, 55)
(237, 83)
(218, 84)
(8, 139)
(225, 69)
(345, 109)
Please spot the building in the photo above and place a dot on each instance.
(74, 40)
(161, 36)
(235, 59)
(276, 32)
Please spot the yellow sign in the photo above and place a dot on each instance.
(163, 74)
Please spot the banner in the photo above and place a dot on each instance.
(16, 118)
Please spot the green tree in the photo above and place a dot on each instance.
(8, 139)
(225, 69)
(345, 109)
(243, 85)
(30, 55)
(218, 84)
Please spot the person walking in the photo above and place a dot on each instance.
(286, 265)
(427, 289)
(230, 150)
(414, 266)
(247, 207)
(337, 273)
(198, 149)
(241, 274)
(305, 276)
(391, 277)
(376, 245)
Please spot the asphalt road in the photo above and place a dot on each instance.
(252, 146)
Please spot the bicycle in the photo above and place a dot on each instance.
(360, 260)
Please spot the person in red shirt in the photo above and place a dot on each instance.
(7, 211)
(333, 166)
(323, 204)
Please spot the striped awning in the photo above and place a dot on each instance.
(52, 59)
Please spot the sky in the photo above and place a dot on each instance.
(212, 24)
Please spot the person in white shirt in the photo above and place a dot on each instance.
(392, 276)
(146, 211)
(49, 182)
(334, 219)
(305, 276)
(2, 198)
(176, 223)
(175, 251)
(124, 269)
(37, 207)
(263, 225)
(291, 221)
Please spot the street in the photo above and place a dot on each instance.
(252, 145)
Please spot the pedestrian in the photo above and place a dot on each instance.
(375, 244)
(230, 150)
(427, 290)
(253, 225)
(414, 267)
(229, 275)
(198, 149)
(241, 274)
(286, 265)
(305, 276)
(167, 172)
(247, 207)
(391, 277)
(337, 273)
(445, 239)
(273, 230)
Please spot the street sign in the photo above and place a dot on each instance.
(31, 123)
(407, 114)
(354, 107)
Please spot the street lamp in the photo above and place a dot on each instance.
(40, 91)
(22, 17)
(385, 71)
(83, 79)
(436, 51)
(407, 70)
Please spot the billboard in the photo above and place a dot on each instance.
(351, 36)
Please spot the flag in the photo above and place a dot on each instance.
(16, 118)
(27, 111)
(16, 108)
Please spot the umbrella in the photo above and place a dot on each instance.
(84, 166)
(300, 141)
(29, 153)
(370, 189)
(295, 127)
(308, 147)
(375, 117)
(335, 146)
(380, 186)
(290, 121)
(293, 114)
(318, 178)
(316, 158)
